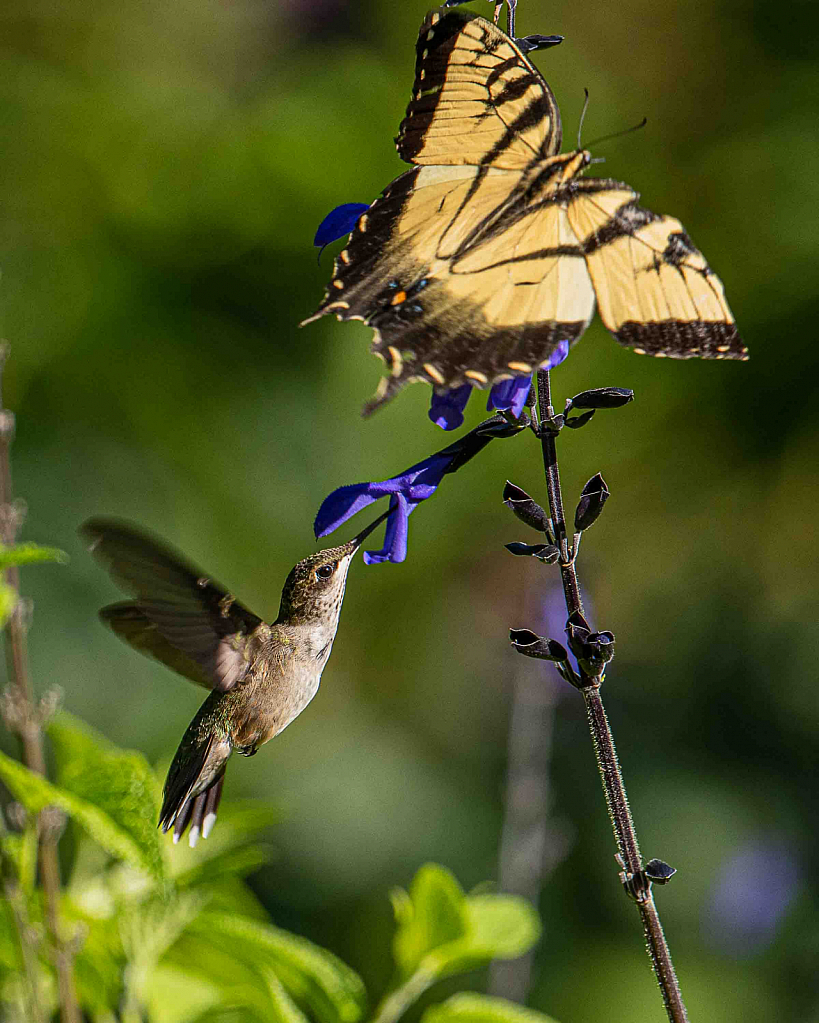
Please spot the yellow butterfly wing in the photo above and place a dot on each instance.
(476, 100)
(655, 291)
(459, 281)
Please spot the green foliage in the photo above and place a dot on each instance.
(314, 977)
(118, 782)
(191, 944)
(8, 600)
(29, 554)
(442, 931)
(36, 793)
(473, 1008)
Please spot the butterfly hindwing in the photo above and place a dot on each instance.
(476, 100)
(655, 291)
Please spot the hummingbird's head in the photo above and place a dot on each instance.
(314, 589)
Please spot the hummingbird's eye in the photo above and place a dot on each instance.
(325, 571)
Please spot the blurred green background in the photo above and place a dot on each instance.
(164, 166)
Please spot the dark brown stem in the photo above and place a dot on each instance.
(26, 719)
(637, 885)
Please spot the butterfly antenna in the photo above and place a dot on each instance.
(617, 134)
(582, 118)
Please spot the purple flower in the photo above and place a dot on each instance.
(406, 490)
(751, 894)
(338, 222)
(447, 406)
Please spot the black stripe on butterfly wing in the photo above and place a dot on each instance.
(469, 71)
(190, 611)
(655, 291)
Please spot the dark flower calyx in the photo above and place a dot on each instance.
(659, 872)
(542, 551)
(601, 397)
(593, 650)
(592, 498)
(532, 645)
(526, 509)
(575, 422)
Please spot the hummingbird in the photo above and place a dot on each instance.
(261, 676)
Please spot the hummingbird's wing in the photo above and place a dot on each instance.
(198, 628)
(133, 626)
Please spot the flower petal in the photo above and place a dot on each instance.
(341, 505)
(447, 407)
(339, 222)
(395, 538)
(510, 395)
(557, 356)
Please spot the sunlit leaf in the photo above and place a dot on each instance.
(284, 1008)
(29, 554)
(233, 862)
(119, 782)
(35, 793)
(434, 914)
(148, 930)
(504, 926)
(474, 1008)
(333, 992)
(8, 601)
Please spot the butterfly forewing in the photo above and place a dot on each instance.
(476, 100)
(449, 304)
(655, 291)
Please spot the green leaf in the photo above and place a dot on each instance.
(284, 1008)
(148, 931)
(233, 862)
(29, 554)
(473, 1008)
(333, 992)
(481, 928)
(434, 914)
(8, 602)
(35, 793)
(119, 782)
(504, 926)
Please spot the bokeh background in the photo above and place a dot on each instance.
(164, 166)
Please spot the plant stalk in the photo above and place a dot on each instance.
(614, 788)
(27, 720)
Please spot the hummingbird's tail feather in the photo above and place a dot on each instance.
(194, 787)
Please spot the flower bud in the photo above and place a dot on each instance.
(592, 498)
(528, 643)
(526, 509)
(601, 397)
(659, 872)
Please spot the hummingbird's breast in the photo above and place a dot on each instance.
(283, 679)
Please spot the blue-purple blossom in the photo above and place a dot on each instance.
(751, 893)
(447, 406)
(406, 490)
(339, 222)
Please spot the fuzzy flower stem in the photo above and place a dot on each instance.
(611, 775)
(26, 718)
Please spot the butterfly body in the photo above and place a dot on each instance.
(473, 266)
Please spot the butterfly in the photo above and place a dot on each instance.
(474, 266)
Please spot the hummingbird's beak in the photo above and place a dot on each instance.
(357, 541)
